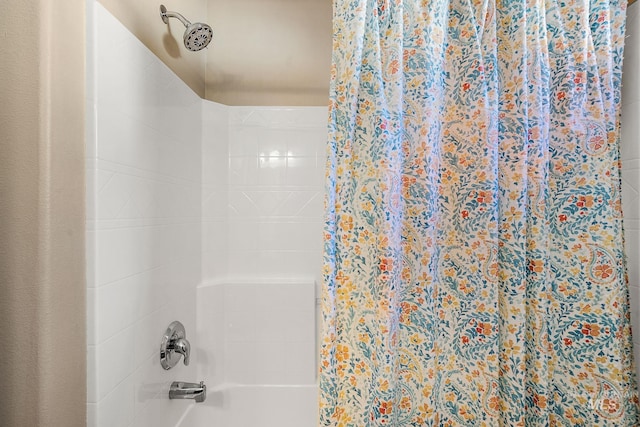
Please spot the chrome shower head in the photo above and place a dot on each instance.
(197, 36)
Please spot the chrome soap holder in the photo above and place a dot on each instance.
(174, 345)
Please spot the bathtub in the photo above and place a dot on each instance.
(255, 406)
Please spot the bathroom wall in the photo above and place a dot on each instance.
(142, 18)
(143, 224)
(269, 52)
(630, 154)
(42, 214)
(276, 189)
(263, 189)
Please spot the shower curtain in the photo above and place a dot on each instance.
(474, 271)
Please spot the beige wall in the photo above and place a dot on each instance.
(264, 52)
(269, 52)
(142, 18)
(42, 296)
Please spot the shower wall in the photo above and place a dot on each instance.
(143, 224)
(263, 175)
(183, 192)
(215, 194)
(630, 154)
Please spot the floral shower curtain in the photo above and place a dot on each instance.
(474, 269)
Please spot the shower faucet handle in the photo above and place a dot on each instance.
(183, 347)
(174, 345)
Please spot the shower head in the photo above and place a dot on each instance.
(196, 36)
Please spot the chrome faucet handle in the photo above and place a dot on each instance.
(183, 347)
(174, 345)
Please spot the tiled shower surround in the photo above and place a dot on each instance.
(143, 224)
(630, 154)
(202, 213)
(270, 173)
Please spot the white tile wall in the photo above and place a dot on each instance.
(143, 224)
(265, 166)
(276, 187)
(630, 153)
(215, 181)
(260, 333)
(182, 191)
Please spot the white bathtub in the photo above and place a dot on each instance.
(255, 406)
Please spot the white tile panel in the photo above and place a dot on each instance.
(302, 172)
(92, 377)
(114, 362)
(630, 194)
(267, 203)
(144, 225)
(272, 142)
(243, 171)
(244, 264)
(304, 143)
(630, 80)
(272, 170)
(242, 204)
(92, 415)
(266, 326)
(630, 154)
(272, 263)
(215, 146)
(241, 325)
(117, 409)
(270, 365)
(630, 132)
(634, 299)
(243, 141)
(240, 358)
(116, 308)
(301, 204)
(299, 360)
(243, 236)
(280, 187)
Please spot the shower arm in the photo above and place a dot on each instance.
(166, 15)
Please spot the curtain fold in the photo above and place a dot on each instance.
(474, 269)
